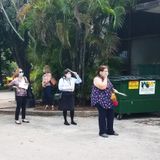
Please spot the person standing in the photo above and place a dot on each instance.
(101, 99)
(47, 87)
(20, 83)
(66, 86)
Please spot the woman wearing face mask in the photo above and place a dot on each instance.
(20, 83)
(67, 86)
(101, 99)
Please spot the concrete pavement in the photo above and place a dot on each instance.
(46, 138)
(7, 99)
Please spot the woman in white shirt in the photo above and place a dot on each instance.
(67, 86)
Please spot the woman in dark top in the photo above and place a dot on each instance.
(47, 88)
(101, 99)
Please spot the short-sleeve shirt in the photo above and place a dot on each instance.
(102, 97)
(20, 91)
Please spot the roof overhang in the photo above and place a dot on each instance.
(152, 7)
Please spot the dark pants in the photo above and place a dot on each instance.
(106, 119)
(71, 115)
(47, 95)
(21, 103)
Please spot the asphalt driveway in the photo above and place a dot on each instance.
(46, 138)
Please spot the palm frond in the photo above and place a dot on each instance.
(62, 34)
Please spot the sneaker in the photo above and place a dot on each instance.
(74, 123)
(46, 107)
(104, 135)
(114, 134)
(17, 122)
(25, 120)
(53, 108)
(66, 123)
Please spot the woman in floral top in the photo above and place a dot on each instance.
(20, 83)
(101, 99)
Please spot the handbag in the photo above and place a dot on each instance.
(57, 96)
(114, 99)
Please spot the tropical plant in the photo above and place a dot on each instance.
(76, 34)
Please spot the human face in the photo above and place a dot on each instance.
(104, 73)
(68, 75)
(21, 73)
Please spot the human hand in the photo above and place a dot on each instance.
(75, 73)
(6, 85)
(15, 87)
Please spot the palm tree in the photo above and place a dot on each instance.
(18, 43)
(8, 20)
(80, 34)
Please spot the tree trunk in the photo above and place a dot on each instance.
(81, 49)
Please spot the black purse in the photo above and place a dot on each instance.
(57, 96)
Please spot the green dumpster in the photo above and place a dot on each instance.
(143, 94)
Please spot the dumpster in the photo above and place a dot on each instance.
(143, 94)
(149, 69)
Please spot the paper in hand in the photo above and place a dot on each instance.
(23, 85)
(120, 93)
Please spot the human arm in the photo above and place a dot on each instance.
(46, 79)
(62, 86)
(14, 84)
(99, 83)
(77, 79)
(11, 83)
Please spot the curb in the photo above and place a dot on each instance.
(32, 112)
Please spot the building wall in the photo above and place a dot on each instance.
(144, 51)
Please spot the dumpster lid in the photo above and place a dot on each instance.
(134, 77)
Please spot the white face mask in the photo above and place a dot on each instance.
(68, 75)
(21, 74)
